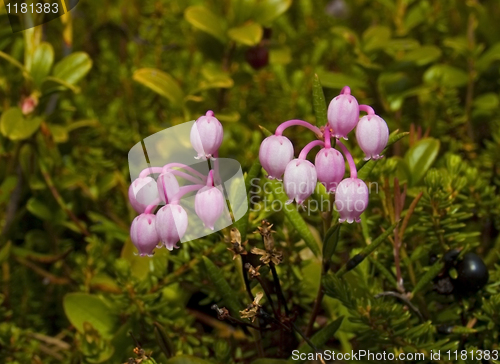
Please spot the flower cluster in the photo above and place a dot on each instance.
(158, 186)
(300, 176)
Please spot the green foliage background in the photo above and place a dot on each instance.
(113, 72)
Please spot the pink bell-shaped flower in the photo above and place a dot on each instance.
(143, 234)
(351, 199)
(300, 180)
(372, 135)
(206, 135)
(168, 186)
(142, 192)
(343, 114)
(209, 205)
(330, 167)
(171, 225)
(276, 151)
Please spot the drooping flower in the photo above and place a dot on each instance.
(209, 205)
(330, 167)
(372, 135)
(276, 151)
(343, 114)
(171, 225)
(351, 199)
(168, 186)
(143, 234)
(142, 192)
(300, 180)
(206, 135)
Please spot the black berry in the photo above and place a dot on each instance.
(257, 56)
(472, 274)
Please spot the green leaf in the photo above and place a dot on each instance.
(163, 340)
(43, 59)
(161, 83)
(488, 57)
(319, 103)
(428, 277)
(39, 209)
(186, 359)
(229, 297)
(58, 81)
(6, 188)
(203, 19)
(249, 34)
(242, 224)
(294, 217)
(445, 75)
(214, 77)
(320, 338)
(339, 80)
(330, 242)
(83, 307)
(420, 157)
(73, 68)
(268, 10)
(358, 258)
(15, 126)
(376, 37)
(422, 55)
(15, 63)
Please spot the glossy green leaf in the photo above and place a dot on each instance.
(15, 126)
(229, 297)
(488, 57)
(319, 103)
(73, 68)
(319, 339)
(161, 83)
(376, 37)
(248, 34)
(186, 359)
(294, 217)
(203, 19)
(339, 80)
(43, 59)
(420, 157)
(39, 209)
(428, 277)
(445, 75)
(84, 307)
(268, 10)
(422, 55)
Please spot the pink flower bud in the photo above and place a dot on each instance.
(28, 104)
(351, 199)
(209, 205)
(206, 135)
(143, 234)
(343, 115)
(168, 186)
(372, 135)
(142, 192)
(300, 180)
(171, 225)
(330, 167)
(274, 154)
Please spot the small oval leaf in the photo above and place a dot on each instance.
(161, 83)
